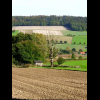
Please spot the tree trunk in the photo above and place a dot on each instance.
(51, 56)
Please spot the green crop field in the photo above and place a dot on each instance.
(15, 33)
(79, 39)
(64, 46)
(66, 32)
(80, 36)
(81, 63)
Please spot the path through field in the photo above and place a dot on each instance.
(37, 83)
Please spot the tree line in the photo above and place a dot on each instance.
(72, 22)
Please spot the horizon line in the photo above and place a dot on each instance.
(48, 15)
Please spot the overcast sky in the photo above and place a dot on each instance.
(49, 7)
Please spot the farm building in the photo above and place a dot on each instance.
(83, 53)
(38, 63)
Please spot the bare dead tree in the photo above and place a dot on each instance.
(49, 37)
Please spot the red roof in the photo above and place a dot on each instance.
(82, 52)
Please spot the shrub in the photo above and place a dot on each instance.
(60, 60)
(65, 42)
(27, 65)
(61, 42)
(73, 56)
(74, 42)
(79, 42)
(73, 49)
(80, 50)
(80, 57)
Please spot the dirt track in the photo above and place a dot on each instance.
(35, 83)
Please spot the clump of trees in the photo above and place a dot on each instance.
(29, 47)
(57, 42)
(67, 50)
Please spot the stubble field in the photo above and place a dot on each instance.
(39, 28)
(45, 30)
(37, 83)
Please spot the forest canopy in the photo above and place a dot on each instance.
(72, 22)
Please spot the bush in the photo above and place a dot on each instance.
(80, 57)
(27, 65)
(74, 42)
(65, 42)
(79, 42)
(73, 49)
(60, 60)
(73, 56)
(80, 50)
(61, 42)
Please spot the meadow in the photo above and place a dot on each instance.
(79, 39)
(81, 63)
(66, 32)
(77, 47)
(15, 33)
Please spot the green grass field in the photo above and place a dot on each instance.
(66, 32)
(15, 33)
(81, 39)
(64, 46)
(80, 36)
(81, 63)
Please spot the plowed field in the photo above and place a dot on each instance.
(37, 83)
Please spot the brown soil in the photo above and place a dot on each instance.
(37, 83)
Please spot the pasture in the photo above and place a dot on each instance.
(81, 63)
(64, 46)
(79, 39)
(15, 33)
(66, 32)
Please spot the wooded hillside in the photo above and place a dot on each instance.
(72, 22)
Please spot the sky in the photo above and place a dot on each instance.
(49, 7)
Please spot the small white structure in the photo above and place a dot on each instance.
(38, 63)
